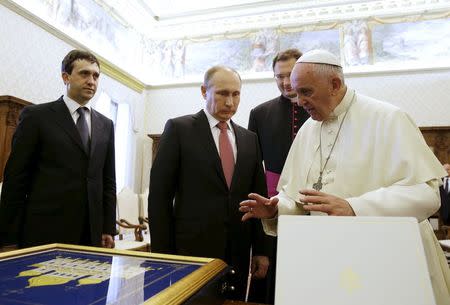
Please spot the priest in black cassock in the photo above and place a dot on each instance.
(276, 123)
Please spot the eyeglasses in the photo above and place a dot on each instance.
(282, 76)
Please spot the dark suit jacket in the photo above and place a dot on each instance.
(204, 220)
(445, 206)
(272, 122)
(52, 188)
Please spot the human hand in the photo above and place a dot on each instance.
(326, 203)
(260, 265)
(107, 241)
(258, 207)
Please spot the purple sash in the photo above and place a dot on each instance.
(272, 182)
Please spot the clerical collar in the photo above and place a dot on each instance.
(343, 105)
(285, 99)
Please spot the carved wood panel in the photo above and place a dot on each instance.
(438, 138)
(10, 108)
(155, 145)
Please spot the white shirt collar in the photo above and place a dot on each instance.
(73, 106)
(213, 121)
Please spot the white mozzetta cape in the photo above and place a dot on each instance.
(383, 168)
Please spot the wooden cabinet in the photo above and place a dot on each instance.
(10, 108)
(438, 138)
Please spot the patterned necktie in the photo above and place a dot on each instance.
(446, 184)
(226, 152)
(83, 128)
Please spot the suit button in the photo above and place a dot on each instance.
(232, 288)
(232, 272)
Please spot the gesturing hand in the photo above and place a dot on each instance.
(258, 207)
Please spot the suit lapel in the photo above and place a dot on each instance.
(241, 146)
(97, 127)
(203, 130)
(65, 121)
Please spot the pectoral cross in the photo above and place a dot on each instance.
(318, 185)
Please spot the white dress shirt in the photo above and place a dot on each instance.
(73, 107)
(216, 132)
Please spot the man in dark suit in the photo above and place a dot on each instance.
(200, 174)
(445, 197)
(276, 123)
(59, 183)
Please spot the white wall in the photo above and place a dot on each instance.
(30, 69)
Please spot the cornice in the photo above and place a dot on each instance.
(300, 16)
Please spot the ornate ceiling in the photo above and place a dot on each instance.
(161, 42)
(174, 19)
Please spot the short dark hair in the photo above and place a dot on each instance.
(211, 71)
(286, 55)
(67, 63)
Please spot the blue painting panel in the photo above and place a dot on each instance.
(67, 277)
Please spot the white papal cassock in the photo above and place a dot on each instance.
(380, 164)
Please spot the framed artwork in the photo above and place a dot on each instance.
(67, 274)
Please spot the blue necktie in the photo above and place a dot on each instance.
(83, 128)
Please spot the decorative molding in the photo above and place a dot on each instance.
(358, 71)
(106, 67)
(298, 15)
(121, 76)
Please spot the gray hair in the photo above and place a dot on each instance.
(325, 70)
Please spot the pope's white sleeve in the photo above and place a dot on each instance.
(420, 201)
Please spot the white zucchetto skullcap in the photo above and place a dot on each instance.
(319, 57)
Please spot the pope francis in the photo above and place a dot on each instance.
(355, 156)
